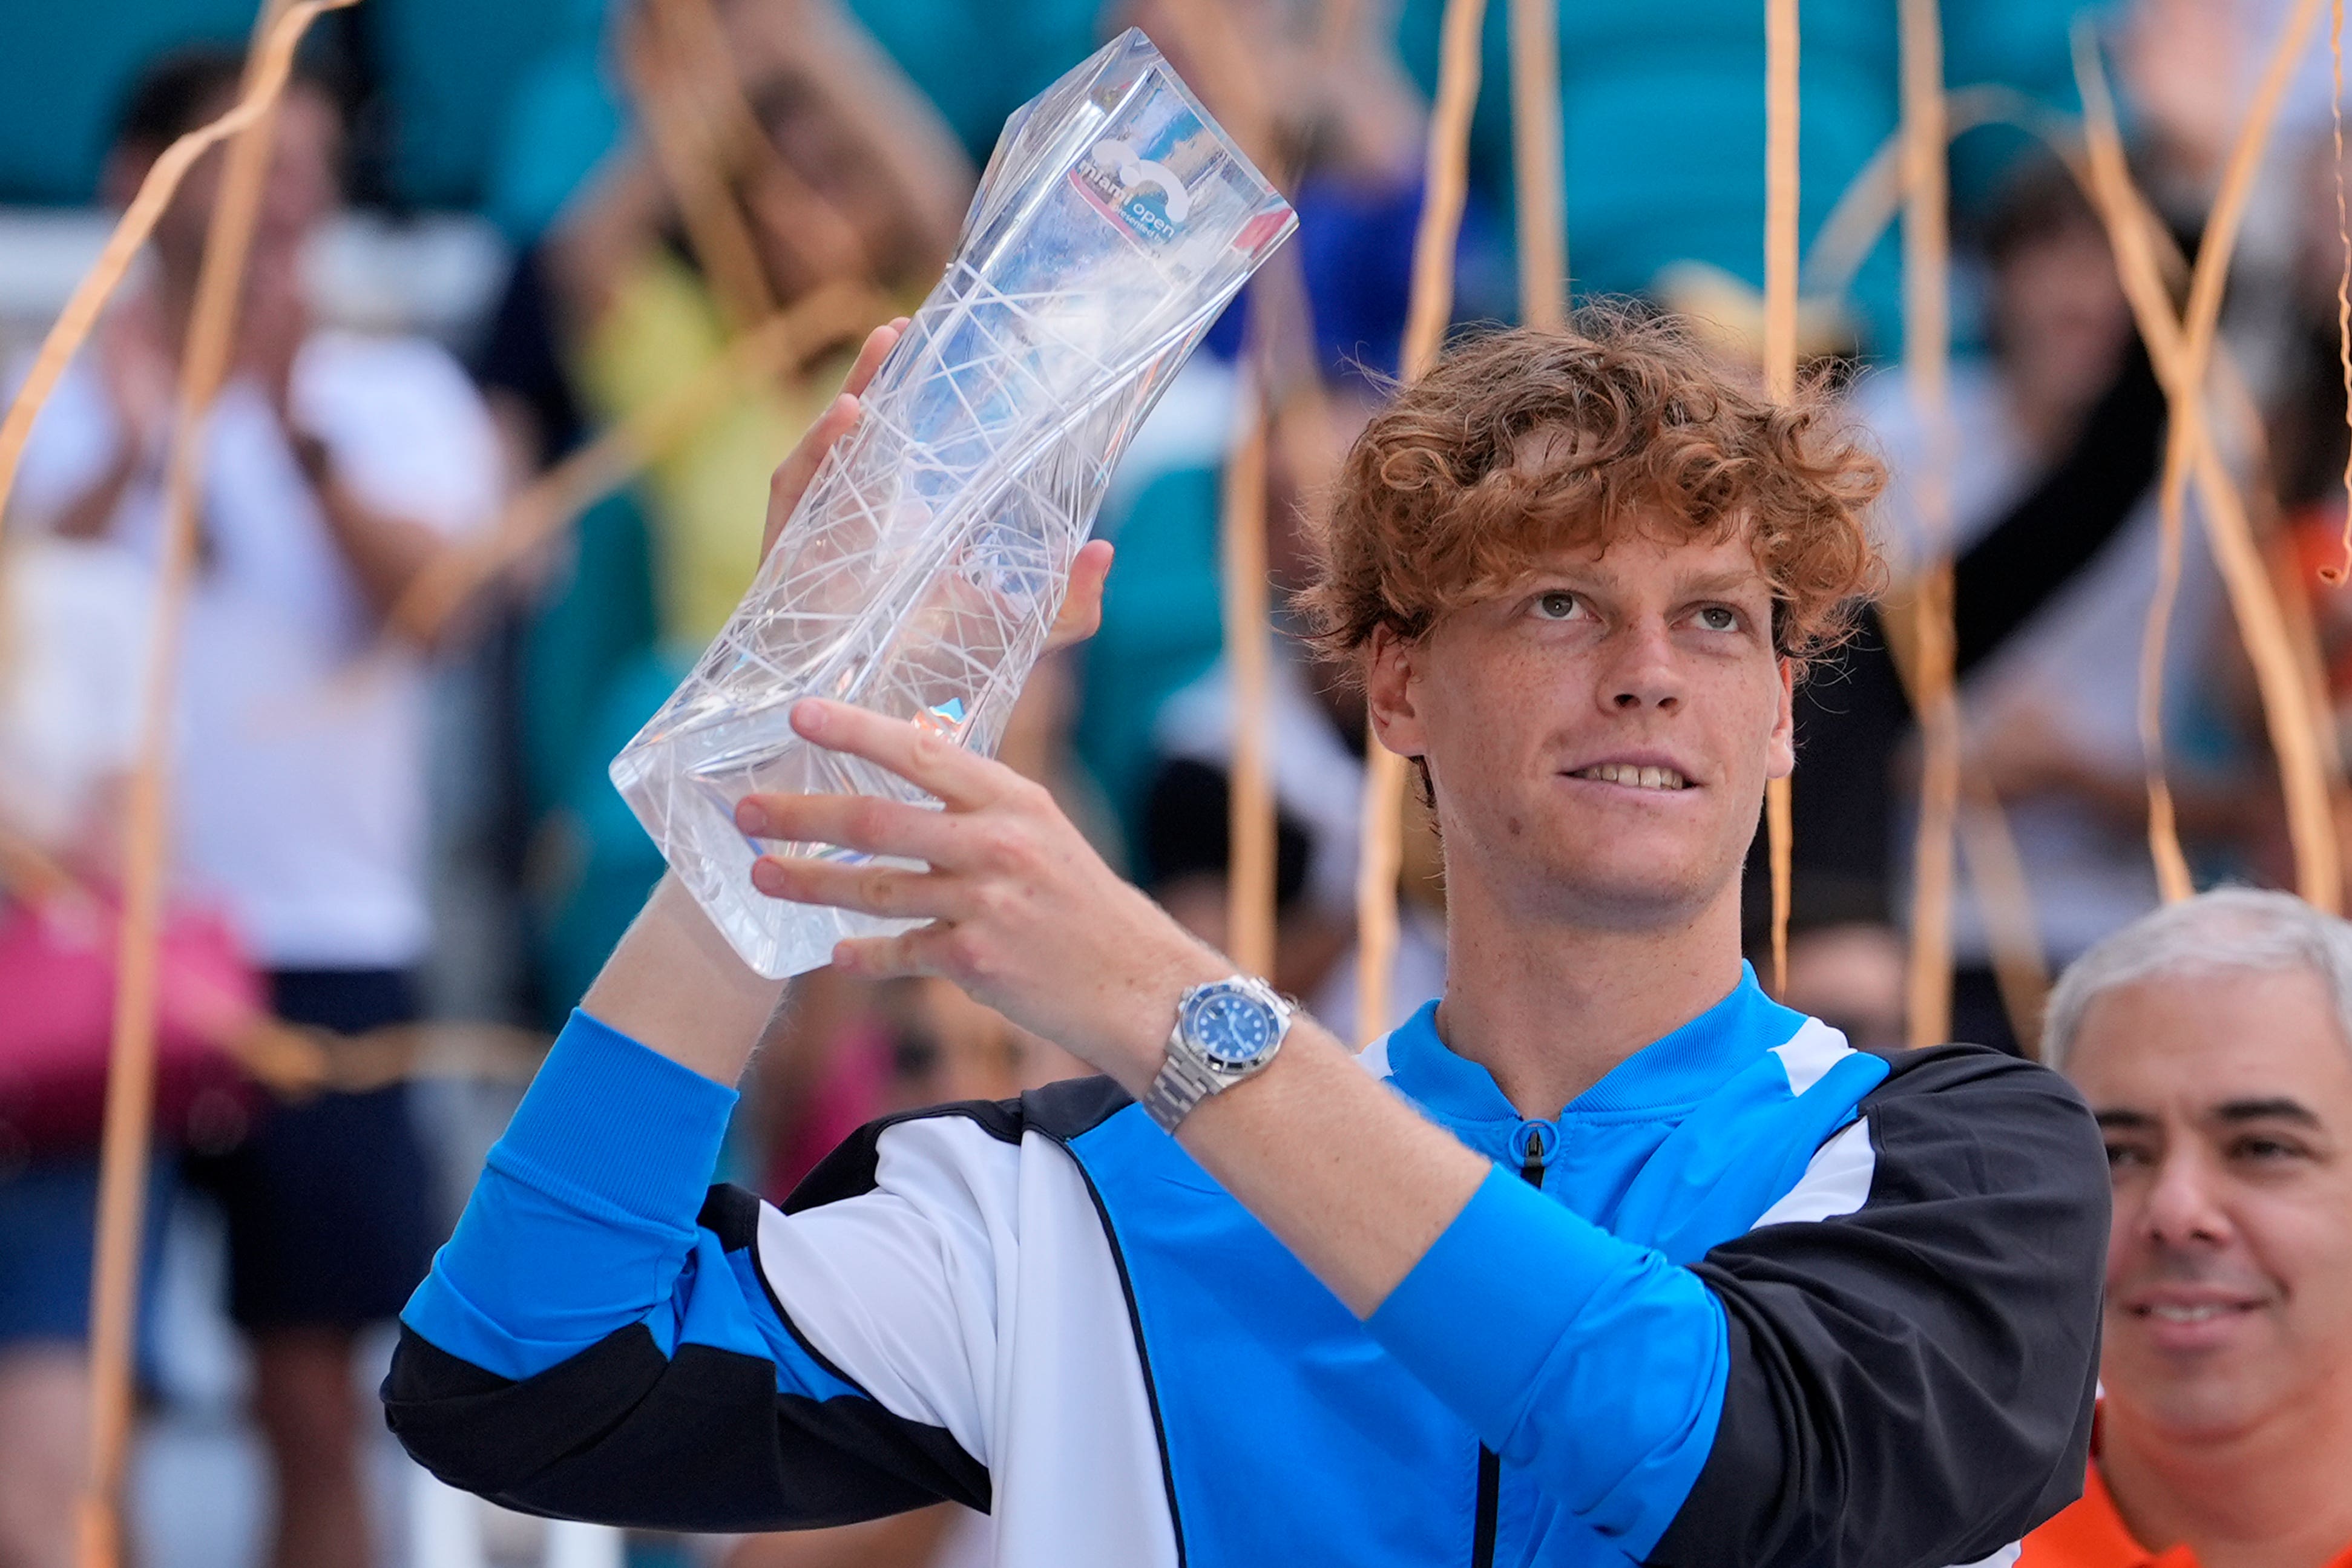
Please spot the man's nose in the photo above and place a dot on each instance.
(2183, 1206)
(1642, 672)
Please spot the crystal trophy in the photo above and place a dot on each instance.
(918, 575)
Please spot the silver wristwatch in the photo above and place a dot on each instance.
(1225, 1031)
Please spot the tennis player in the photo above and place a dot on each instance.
(1601, 1257)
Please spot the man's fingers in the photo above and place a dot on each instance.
(867, 888)
(791, 481)
(852, 821)
(879, 344)
(961, 779)
(923, 951)
(1081, 612)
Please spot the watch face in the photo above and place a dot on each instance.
(1231, 1027)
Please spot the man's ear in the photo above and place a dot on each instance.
(1781, 756)
(1389, 694)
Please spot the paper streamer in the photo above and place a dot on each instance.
(1927, 364)
(2289, 702)
(2343, 275)
(1780, 197)
(1250, 805)
(1536, 163)
(834, 314)
(1381, 854)
(82, 309)
(131, 1076)
(2187, 428)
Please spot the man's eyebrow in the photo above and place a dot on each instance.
(1722, 582)
(2125, 1120)
(2276, 1108)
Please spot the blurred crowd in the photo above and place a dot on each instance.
(382, 820)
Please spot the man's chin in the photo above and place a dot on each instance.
(1629, 893)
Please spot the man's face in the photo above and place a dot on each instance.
(1600, 735)
(2227, 1104)
(300, 193)
(2061, 317)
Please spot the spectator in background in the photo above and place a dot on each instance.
(336, 467)
(2055, 528)
(610, 314)
(842, 195)
(2213, 1040)
(73, 634)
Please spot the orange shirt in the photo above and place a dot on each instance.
(2089, 1533)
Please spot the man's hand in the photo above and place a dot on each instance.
(1023, 915)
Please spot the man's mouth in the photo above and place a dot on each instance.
(2190, 1312)
(1632, 776)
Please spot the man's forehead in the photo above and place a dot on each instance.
(1637, 557)
(2191, 1045)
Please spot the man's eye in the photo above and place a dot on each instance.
(2124, 1157)
(2264, 1149)
(1556, 605)
(1719, 618)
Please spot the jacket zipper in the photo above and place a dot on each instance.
(1538, 1151)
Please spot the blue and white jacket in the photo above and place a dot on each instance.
(1755, 1298)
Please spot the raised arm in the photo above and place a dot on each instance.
(608, 1336)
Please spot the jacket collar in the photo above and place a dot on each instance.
(1678, 1069)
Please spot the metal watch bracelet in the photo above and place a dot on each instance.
(1182, 1084)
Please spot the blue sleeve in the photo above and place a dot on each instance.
(1594, 1364)
(596, 1341)
(583, 1220)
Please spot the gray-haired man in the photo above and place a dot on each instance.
(2213, 1040)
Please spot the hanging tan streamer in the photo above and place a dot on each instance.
(1926, 365)
(2289, 700)
(1536, 163)
(1868, 203)
(1282, 406)
(2282, 643)
(1996, 870)
(834, 314)
(1446, 186)
(2336, 574)
(1781, 258)
(130, 1075)
(1250, 807)
(692, 155)
(2186, 430)
(82, 309)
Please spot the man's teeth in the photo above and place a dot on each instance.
(1639, 778)
(2178, 1314)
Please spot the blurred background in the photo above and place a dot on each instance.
(486, 240)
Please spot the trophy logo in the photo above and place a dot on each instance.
(1141, 193)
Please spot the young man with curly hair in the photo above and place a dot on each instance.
(1601, 1257)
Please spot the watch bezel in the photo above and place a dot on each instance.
(1259, 995)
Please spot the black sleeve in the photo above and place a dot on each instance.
(1911, 1383)
(700, 1438)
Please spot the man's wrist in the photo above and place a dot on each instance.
(1140, 1048)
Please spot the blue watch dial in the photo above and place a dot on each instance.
(1231, 1027)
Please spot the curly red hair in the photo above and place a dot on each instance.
(1522, 442)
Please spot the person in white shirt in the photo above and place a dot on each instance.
(336, 468)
